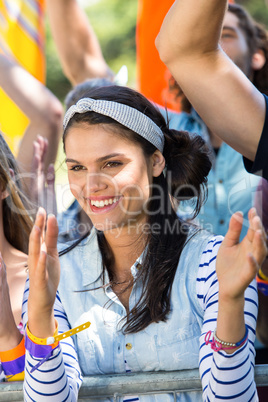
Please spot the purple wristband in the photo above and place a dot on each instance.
(36, 350)
(43, 352)
(14, 366)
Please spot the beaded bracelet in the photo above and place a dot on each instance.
(216, 344)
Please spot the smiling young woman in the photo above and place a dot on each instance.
(146, 280)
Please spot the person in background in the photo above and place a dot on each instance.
(231, 106)
(230, 187)
(43, 109)
(15, 227)
(19, 183)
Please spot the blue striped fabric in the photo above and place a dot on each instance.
(224, 376)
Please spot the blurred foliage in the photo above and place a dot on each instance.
(257, 8)
(114, 22)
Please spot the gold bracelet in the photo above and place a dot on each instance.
(262, 275)
(53, 340)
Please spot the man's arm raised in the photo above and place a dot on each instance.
(77, 44)
(188, 43)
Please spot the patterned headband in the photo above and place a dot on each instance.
(126, 115)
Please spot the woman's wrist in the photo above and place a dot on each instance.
(231, 301)
(41, 325)
(230, 321)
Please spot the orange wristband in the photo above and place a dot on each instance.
(14, 353)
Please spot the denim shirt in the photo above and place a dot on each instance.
(230, 187)
(103, 348)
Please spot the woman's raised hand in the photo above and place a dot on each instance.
(238, 262)
(44, 274)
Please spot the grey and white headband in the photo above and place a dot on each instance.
(125, 115)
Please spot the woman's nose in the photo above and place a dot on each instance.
(96, 182)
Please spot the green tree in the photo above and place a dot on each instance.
(257, 8)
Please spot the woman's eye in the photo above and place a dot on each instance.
(76, 168)
(112, 164)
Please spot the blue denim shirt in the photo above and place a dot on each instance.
(230, 187)
(103, 348)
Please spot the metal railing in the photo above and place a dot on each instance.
(115, 386)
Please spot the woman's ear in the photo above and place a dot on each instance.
(258, 60)
(4, 193)
(159, 163)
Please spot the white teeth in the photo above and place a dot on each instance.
(103, 203)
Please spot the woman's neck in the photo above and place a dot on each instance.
(126, 246)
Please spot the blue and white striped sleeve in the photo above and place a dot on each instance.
(224, 376)
(59, 378)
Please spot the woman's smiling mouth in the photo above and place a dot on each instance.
(101, 204)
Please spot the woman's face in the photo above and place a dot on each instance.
(108, 175)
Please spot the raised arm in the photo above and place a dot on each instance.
(39, 104)
(227, 101)
(78, 46)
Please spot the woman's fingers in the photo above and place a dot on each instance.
(259, 242)
(235, 226)
(251, 216)
(35, 241)
(52, 235)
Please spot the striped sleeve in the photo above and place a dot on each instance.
(58, 378)
(228, 377)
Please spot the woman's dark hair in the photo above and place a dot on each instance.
(16, 220)
(187, 167)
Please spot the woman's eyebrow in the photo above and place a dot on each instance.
(71, 160)
(101, 159)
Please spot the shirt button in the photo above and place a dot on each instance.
(222, 221)
(128, 346)
(220, 181)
